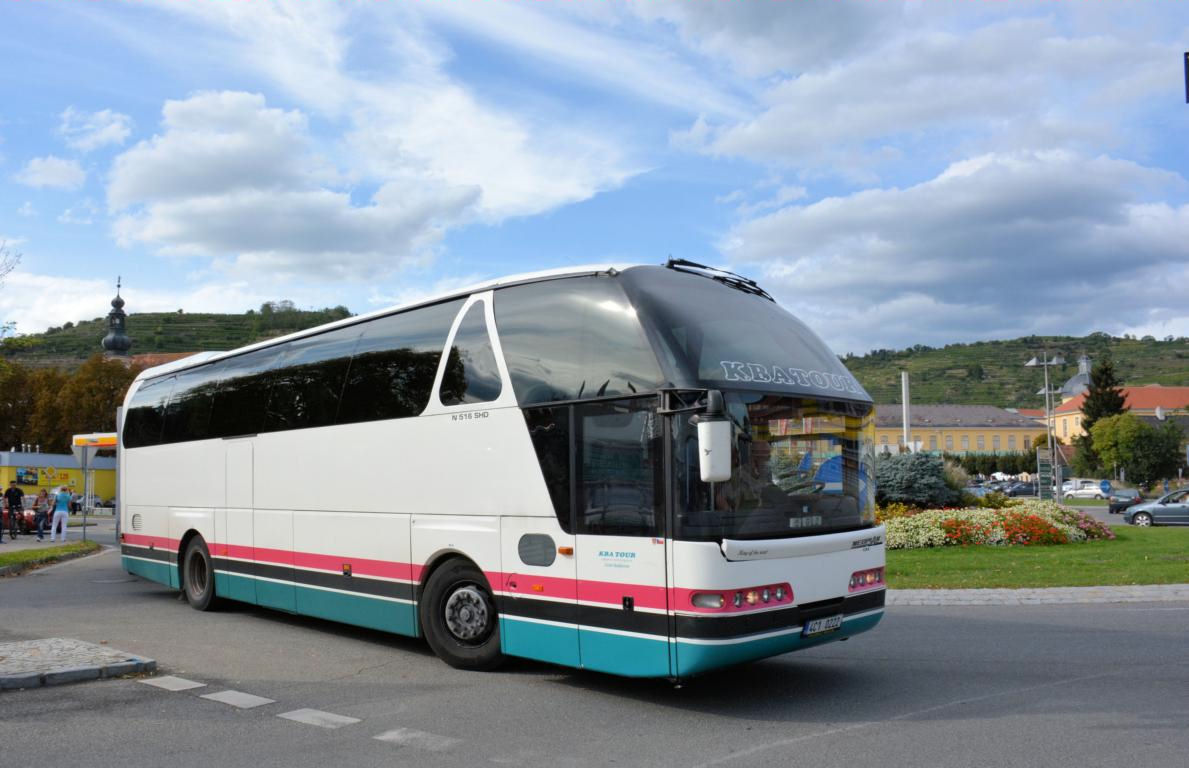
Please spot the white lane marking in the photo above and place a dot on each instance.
(319, 718)
(171, 683)
(238, 699)
(407, 737)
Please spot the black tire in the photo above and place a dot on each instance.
(470, 638)
(198, 577)
(1142, 519)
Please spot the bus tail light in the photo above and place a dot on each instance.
(867, 579)
(707, 600)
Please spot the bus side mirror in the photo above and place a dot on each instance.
(714, 440)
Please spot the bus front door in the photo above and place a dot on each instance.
(619, 521)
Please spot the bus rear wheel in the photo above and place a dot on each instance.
(198, 578)
(459, 617)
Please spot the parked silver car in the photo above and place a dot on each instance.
(1169, 509)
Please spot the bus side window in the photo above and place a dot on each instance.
(395, 361)
(308, 383)
(573, 338)
(471, 372)
(242, 395)
(619, 469)
(187, 417)
(549, 429)
(146, 414)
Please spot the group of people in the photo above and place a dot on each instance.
(54, 510)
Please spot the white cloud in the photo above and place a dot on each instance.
(405, 118)
(52, 172)
(233, 179)
(998, 245)
(83, 213)
(86, 131)
(760, 38)
(1011, 83)
(26, 211)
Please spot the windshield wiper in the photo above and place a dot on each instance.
(738, 282)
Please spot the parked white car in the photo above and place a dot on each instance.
(1083, 489)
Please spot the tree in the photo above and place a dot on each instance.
(1144, 453)
(8, 260)
(1104, 398)
(93, 393)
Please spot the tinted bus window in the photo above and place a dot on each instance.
(472, 355)
(146, 413)
(396, 359)
(620, 466)
(187, 417)
(573, 338)
(242, 394)
(549, 429)
(308, 381)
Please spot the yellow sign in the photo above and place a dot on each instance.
(96, 440)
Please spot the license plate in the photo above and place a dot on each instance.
(822, 626)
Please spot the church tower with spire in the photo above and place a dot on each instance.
(116, 342)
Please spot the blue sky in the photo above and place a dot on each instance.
(893, 172)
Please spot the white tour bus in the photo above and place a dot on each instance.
(648, 470)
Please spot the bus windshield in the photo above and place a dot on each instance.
(801, 466)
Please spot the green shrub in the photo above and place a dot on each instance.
(915, 479)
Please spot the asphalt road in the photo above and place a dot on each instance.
(1082, 685)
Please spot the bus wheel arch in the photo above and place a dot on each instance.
(196, 573)
(458, 614)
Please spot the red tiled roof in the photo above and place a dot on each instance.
(1139, 399)
(1032, 413)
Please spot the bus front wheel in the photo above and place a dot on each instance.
(198, 578)
(459, 617)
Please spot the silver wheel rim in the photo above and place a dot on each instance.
(1143, 521)
(467, 614)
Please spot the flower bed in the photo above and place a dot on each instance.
(1022, 523)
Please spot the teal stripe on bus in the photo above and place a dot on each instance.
(543, 642)
(153, 570)
(357, 609)
(695, 658)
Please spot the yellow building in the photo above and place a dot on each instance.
(36, 471)
(956, 429)
(1155, 401)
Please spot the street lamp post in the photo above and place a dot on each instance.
(1045, 361)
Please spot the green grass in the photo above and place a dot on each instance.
(44, 556)
(1086, 502)
(1137, 556)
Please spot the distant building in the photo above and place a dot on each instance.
(956, 428)
(1079, 382)
(116, 343)
(34, 472)
(1151, 401)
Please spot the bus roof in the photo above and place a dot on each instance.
(524, 277)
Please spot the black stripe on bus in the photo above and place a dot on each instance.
(587, 615)
(358, 584)
(700, 627)
(768, 621)
(164, 555)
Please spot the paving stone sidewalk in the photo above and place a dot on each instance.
(57, 660)
(1148, 593)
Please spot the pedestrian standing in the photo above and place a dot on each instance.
(41, 513)
(14, 497)
(61, 513)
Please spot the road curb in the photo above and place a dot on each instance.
(17, 570)
(125, 664)
(1145, 593)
